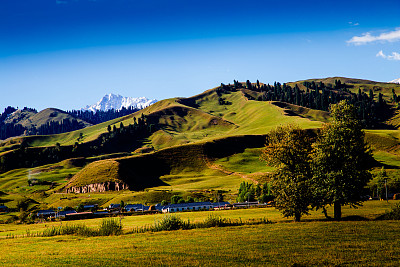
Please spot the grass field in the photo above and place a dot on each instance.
(305, 244)
(370, 210)
(309, 243)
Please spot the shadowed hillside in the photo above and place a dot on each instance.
(144, 171)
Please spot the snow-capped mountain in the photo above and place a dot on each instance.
(395, 81)
(117, 102)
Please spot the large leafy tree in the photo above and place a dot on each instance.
(341, 159)
(288, 149)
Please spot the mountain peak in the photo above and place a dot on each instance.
(395, 81)
(117, 102)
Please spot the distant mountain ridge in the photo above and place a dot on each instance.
(27, 121)
(396, 81)
(117, 102)
(30, 119)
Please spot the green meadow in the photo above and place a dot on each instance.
(304, 244)
(314, 241)
(369, 211)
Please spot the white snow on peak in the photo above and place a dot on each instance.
(395, 81)
(117, 102)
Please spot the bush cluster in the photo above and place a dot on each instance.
(394, 214)
(174, 222)
(109, 226)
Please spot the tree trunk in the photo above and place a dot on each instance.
(337, 211)
(297, 217)
(324, 211)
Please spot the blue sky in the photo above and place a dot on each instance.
(69, 53)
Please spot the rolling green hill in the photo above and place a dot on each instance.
(29, 119)
(202, 144)
(355, 84)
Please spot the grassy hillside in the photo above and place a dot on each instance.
(201, 145)
(312, 114)
(187, 120)
(364, 85)
(160, 167)
(30, 119)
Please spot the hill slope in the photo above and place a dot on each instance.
(31, 119)
(356, 84)
(200, 144)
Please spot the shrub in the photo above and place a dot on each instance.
(264, 198)
(78, 229)
(214, 221)
(394, 214)
(80, 208)
(110, 226)
(23, 215)
(169, 223)
(175, 199)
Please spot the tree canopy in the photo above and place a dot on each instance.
(289, 149)
(333, 170)
(341, 159)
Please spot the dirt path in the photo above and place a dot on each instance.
(221, 169)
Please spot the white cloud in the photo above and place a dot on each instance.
(365, 38)
(381, 54)
(354, 23)
(393, 56)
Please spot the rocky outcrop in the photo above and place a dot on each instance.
(99, 187)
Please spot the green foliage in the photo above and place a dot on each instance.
(110, 226)
(79, 229)
(175, 199)
(288, 149)
(341, 159)
(23, 204)
(264, 198)
(266, 193)
(214, 221)
(80, 208)
(333, 170)
(169, 223)
(394, 214)
(246, 192)
(249, 192)
(189, 199)
(23, 216)
(174, 222)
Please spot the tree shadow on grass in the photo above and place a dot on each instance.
(350, 218)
